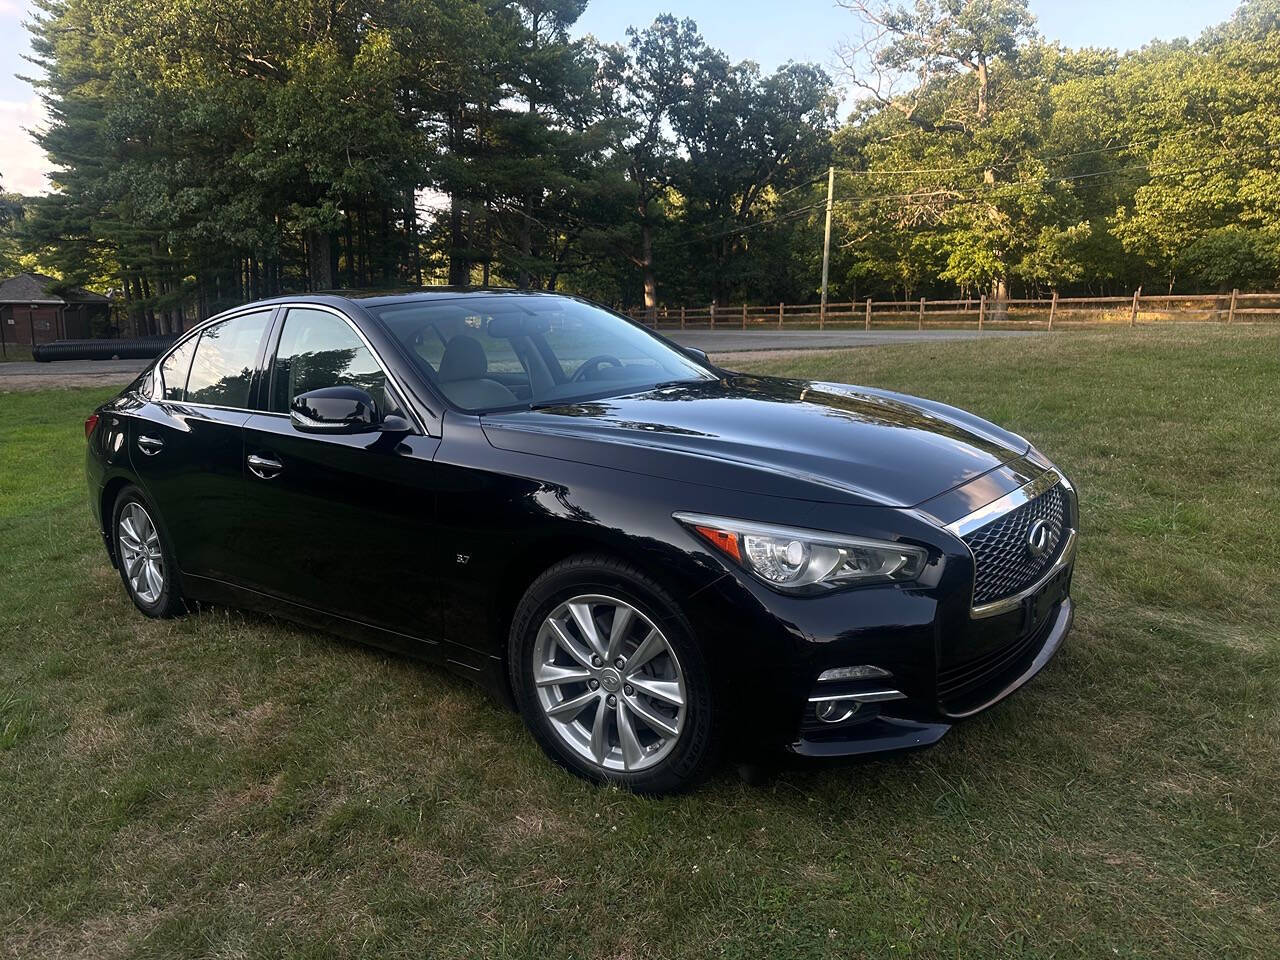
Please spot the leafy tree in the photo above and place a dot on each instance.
(213, 151)
(744, 139)
(647, 82)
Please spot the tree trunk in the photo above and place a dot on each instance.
(415, 246)
(526, 247)
(351, 253)
(646, 262)
(984, 84)
(999, 299)
(318, 260)
(459, 265)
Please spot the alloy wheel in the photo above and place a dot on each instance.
(609, 682)
(140, 554)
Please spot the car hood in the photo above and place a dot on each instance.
(796, 438)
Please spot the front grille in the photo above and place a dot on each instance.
(1003, 561)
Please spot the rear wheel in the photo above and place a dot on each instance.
(610, 679)
(145, 564)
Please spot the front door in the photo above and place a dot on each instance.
(340, 524)
(185, 444)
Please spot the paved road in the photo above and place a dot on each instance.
(719, 343)
(25, 375)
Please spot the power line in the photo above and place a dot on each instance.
(958, 197)
(1012, 188)
(966, 168)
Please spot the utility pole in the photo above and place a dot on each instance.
(826, 243)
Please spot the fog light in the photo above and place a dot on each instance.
(835, 711)
(863, 671)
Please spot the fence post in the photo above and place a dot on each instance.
(868, 313)
(1231, 312)
(681, 317)
(1133, 314)
(1053, 308)
(713, 316)
(744, 316)
(779, 316)
(920, 318)
(982, 311)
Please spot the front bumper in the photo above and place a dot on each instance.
(906, 724)
(917, 657)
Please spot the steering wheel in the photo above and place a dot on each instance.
(591, 365)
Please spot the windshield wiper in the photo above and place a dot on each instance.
(610, 394)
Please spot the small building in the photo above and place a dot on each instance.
(31, 312)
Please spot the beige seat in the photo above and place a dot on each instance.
(462, 376)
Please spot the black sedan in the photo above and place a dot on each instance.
(654, 559)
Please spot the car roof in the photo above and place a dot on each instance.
(377, 298)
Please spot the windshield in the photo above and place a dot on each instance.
(491, 353)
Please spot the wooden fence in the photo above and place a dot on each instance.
(982, 313)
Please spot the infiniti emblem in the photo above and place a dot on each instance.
(610, 680)
(1039, 537)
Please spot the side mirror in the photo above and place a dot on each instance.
(335, 410)
(699, 355)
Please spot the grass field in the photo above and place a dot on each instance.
(227, 786)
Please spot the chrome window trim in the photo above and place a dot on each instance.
(1005, 604)
(205, 406)
(285, 307)
(194, 334)
(1010, 501)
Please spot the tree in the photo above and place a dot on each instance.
(743, 140)
(11, 216)
(646, 83)
(933, 70)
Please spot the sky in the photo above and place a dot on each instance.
(770, 32)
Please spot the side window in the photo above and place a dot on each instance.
(173, 372)
(225, 360)
(318, 349)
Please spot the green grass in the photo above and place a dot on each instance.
(226, 786)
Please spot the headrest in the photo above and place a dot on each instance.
(463, 359)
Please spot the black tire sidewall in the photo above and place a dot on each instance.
(697, 747)
(170, 602)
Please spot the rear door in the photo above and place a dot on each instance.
(340, 524)
(185, 444)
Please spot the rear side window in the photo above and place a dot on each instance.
(173, 372)
(318, 349)
(225, 361)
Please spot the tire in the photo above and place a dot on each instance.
(135, 523)
(660, 735)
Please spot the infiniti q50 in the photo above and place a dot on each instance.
(655, 560)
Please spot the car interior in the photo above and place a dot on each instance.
(487, 355)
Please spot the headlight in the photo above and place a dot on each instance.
(801, 561)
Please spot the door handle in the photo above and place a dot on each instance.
(150, 445)
(264, 467)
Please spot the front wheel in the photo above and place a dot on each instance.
(610, 679)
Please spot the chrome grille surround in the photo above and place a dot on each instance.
(1004, 570)
(1003, 564)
